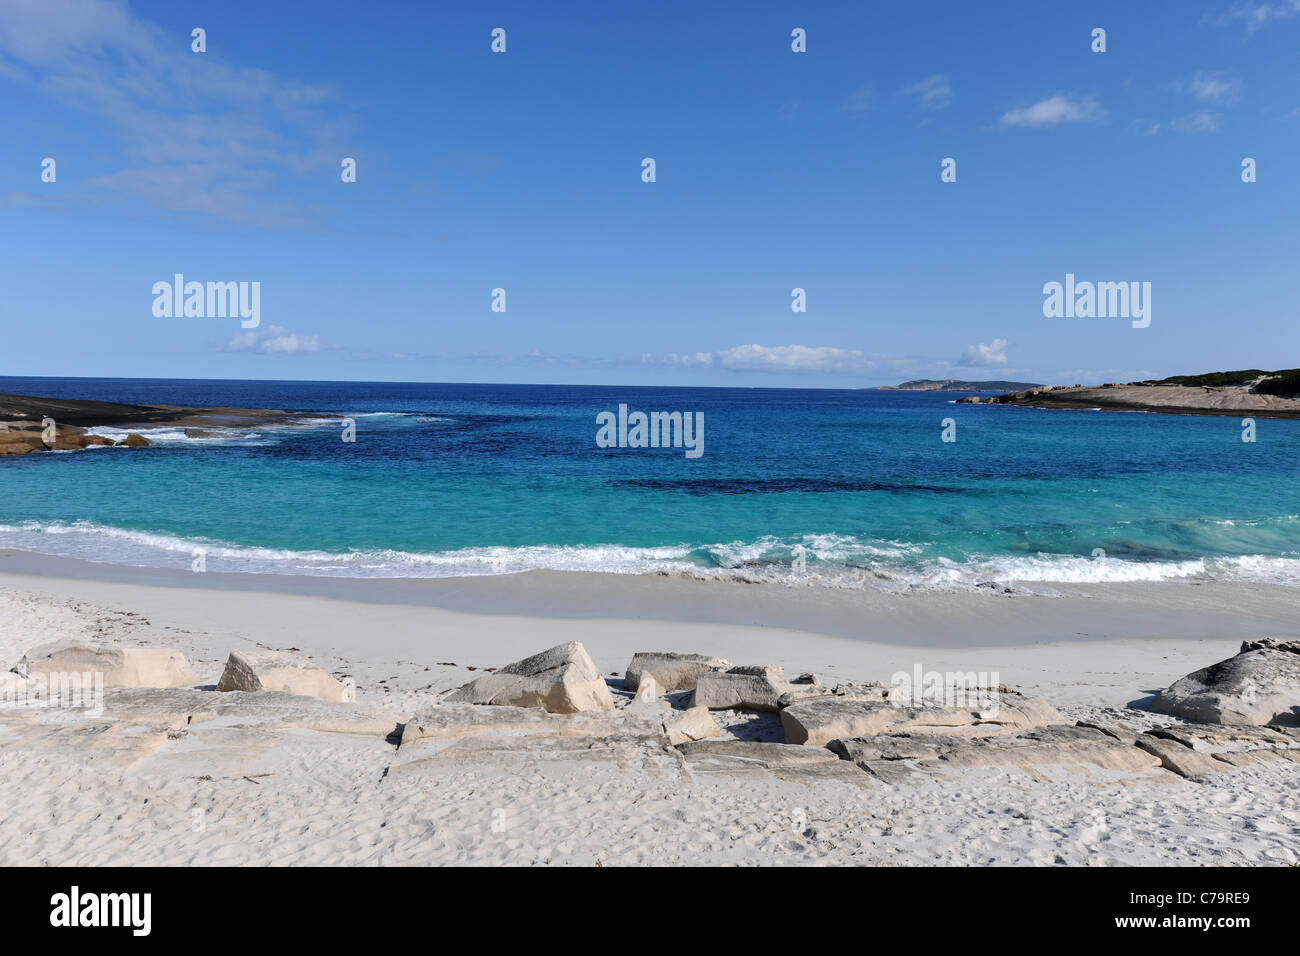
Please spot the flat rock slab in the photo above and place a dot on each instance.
(648, 755)
(122, 665)
(561, 680)
(1211, 738)
(447, 722)
(1182, 760)
(254, 671)
(762, 760)
(894, 757)
(271, 710)
(1260, 685)
(816, 721)
(672, 671)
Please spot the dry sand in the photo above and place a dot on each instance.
(229, 794)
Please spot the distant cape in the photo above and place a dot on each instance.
(956, 385)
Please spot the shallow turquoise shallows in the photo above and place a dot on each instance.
(844, 488)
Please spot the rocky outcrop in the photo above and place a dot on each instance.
(815, 721)
(23, 437)
(1260, 685)
(671, 670)
(562, 680)
(276, 671)
(121, 665)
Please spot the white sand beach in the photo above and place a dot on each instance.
(126, 789)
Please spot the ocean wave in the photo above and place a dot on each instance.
(834, 561)
(173, 435)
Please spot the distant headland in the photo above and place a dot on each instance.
(957, 385)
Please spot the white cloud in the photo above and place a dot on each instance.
(693, 360)
(1215, 88)
(992, 355)
(932, 93)
(797, 358)
(273, 340)
(1057, 109)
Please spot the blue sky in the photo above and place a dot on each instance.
(775, 170)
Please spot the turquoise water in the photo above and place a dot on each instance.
(478, 479)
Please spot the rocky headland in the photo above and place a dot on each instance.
(1251, 393)
(30, 424)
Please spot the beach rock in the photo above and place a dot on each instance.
(276, 671)
(856, 691)
(689, 725)
(122, 665)
(1260, 685)
(1214, 738)
(647, 689)
(672, 671)
(134, 440)
(267, 710)
(894, 756)
(1183, 761)
(753, 688)
(562, 680)
(815, 721)
(747, 759)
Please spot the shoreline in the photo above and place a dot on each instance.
(1227, 611)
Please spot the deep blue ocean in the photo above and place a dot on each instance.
(841, 488)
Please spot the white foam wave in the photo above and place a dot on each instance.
(831, 561)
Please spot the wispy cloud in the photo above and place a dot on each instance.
(273, 340)
(992, 355)
(1215, 88)
(798, 358)
(1053, 111)
(932, 93)
(1258, 15)
(198, 136)
(861, 99)
(1202, 121)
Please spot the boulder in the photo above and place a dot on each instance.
(1261, 685)
(562, 680)
(134, 440)
(277, 671)
(672, 671)
(815, 721)
(689, 725)
(753, 688)
(122, 665)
